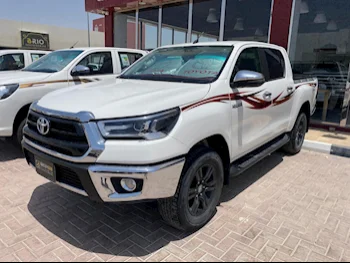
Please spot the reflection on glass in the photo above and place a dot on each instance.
(167, 36)
(149, 27)
(179, 37)
(247, 20)
(175, 17)
(206, 18)
(150, 33)
(320, 48)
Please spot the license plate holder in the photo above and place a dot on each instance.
(45, 169)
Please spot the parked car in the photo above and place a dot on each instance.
(173, 127)
(17, 59)
(57, 70)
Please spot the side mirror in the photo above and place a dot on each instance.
(246, 78)
(80, 70)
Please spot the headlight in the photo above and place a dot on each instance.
(149, 127)
(7, 90)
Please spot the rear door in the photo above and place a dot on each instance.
(281, 87)
(34, 56)
(128, 58)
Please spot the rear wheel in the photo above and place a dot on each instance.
(198, 193)
(297, 136)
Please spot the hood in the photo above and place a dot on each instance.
(124, 98)
(22, 77)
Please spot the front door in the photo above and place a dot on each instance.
(101, 65)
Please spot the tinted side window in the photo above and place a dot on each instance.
(249, 59)
(35, 56)
(276, 64)
(99, 63)
(11, 62)
(127, 59)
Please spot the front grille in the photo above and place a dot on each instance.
(65, 136)
(68, 177)
(63, 174)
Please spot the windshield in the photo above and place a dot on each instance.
(193, 64)
(53, 62)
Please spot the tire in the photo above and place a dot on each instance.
(194, 205)
(18, 135)
(297, 135)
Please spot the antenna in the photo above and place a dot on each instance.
(74, 44)
(197, 40)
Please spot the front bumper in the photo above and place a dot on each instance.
(158, 180)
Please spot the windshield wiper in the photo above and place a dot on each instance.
(167, 77)
(42, 70)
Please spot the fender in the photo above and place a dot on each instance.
(197, 124)
(303, 94)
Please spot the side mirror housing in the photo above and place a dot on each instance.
(246, 78)
(80, 70)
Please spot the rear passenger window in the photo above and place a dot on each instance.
(249, 59)
(275, 63)
(35, 56)
(127, 59)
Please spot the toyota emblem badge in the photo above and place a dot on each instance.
(43, 126)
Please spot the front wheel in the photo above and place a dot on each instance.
(198, 193)
(18, 135)
(297, 136)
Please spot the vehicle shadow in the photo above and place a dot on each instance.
(243, 181)
(8, 151)
(120, 229)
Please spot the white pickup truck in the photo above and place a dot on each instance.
(59, 69)
(16, 59)
(173, 127)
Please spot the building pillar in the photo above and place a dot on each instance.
(109, 28)
(281, 22)
(121, 30)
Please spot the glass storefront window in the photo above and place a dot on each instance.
(174, 23)
(247, 20)
(148, 18)
(179, 37)
(319, 47)
(206, 18)
(167, 36)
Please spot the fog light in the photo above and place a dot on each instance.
(128, 185)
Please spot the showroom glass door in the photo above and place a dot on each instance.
(320, 47)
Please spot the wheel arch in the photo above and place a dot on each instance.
(20, 116)
(219, 144)
(305, 107)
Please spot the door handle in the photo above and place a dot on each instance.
(267, 96)
(290, 89)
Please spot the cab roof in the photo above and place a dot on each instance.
(223, 43)
(103, 48)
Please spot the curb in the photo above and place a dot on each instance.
(327, 148)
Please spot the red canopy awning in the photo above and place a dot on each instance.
(102, 6)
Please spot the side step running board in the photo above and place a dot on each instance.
(256, 156)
